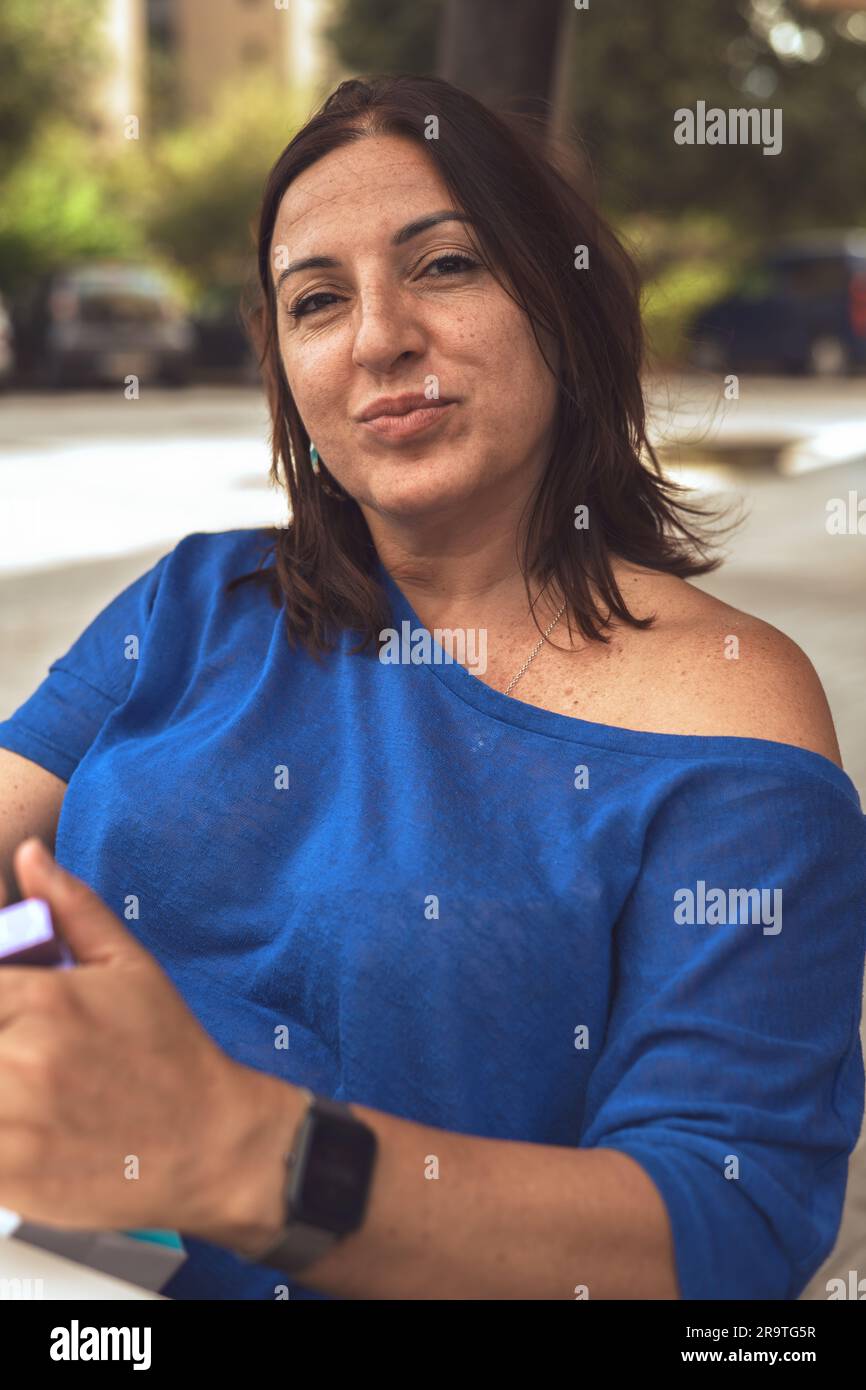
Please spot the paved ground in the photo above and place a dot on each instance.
(95, 489)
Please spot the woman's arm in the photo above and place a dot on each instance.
(105, 1063)
(30, 802)
(503, 1219)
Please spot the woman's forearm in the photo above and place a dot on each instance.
(502, 1219)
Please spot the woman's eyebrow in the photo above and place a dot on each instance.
(411, 229)
(421, 224)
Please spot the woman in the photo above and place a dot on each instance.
(582, 963)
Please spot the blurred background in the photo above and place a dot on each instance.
(135, 136)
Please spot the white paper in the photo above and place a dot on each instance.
(9, 1222)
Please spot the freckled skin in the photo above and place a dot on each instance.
(391, 328)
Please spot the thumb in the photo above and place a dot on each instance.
(87, 925)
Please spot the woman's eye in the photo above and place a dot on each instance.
(455, 263)
(309, 305)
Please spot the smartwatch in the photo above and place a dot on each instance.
(328, 1178)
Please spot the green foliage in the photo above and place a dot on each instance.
(187, 199)
(50, 55)
(686, 263)
(198, 190)
(635, 64)
(55, 204)
(675, 297)
(57, 207)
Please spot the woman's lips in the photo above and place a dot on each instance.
(400, 427)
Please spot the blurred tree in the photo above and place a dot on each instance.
(198, 193)
(502, 51)
(187, 199)
(376, 36)
(49, 56)
(636, 64)
(163, 74)
(58, 206)
(623, 67)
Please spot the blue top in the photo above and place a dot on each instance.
(475, 913)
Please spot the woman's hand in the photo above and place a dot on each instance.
(117, 1110)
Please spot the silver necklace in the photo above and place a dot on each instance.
(536, 649)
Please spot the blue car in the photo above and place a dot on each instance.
(802, 308)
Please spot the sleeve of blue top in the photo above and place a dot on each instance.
(56, 725)
(732, 1069)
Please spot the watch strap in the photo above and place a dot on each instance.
(300, 1243)
(298, 1246)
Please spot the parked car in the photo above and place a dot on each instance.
(103, 322)
(801, 308)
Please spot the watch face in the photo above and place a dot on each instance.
(335, 1162)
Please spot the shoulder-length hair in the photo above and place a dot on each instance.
(529, 216)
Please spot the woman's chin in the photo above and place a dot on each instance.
(417, 488)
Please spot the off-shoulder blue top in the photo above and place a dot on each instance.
(397, 886)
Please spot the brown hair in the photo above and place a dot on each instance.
(529, 214)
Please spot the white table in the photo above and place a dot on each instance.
(60, 1278)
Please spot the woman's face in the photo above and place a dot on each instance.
(405, 309)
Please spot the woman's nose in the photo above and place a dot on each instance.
(388, 327)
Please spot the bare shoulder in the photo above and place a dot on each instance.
(722, 671)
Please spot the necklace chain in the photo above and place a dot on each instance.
(534, 653)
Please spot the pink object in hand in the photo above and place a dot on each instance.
(27, 936)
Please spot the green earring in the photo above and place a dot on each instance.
(324, 486)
